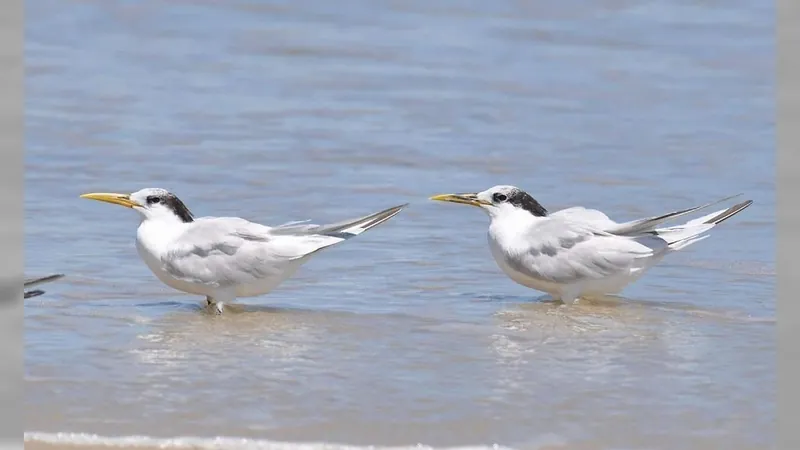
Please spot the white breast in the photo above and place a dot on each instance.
(499, 255)
(152, 238)
(504, 234)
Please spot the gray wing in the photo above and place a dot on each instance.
(567, 252)
(223, 251)
(226, 251)
(585, 215)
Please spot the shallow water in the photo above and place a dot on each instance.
(280, 111)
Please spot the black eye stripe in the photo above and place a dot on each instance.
(498, 197)
(153, 199)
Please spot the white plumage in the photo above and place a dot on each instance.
(579, 252)
(226, 257)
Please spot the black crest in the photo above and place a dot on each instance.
(522, 199)
(173, 203)
(180, 210)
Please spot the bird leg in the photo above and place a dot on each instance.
(220, 297)
(214, 306)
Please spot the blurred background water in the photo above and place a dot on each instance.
(279, 111)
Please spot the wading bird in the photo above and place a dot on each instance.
(578, 252)
(223, 258)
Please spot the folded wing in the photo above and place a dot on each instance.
(565, 252)
(225, 251)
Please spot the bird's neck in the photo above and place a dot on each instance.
(155, 235)
(512, 223)
(514, 215)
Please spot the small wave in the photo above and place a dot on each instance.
(201, 443)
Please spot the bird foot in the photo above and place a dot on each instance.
(567, 301)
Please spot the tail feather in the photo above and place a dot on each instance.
(344, 229)
(728, 213)
(720, 216)
(677, 234)
(687, 242)
(635, 227)
(682, 236)
(358, 226)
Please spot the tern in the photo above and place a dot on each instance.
(578, 252)
(223, 258)
(31, 282)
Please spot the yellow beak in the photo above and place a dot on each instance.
(465, 199)
(117, 199)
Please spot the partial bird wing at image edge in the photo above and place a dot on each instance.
(30, 282)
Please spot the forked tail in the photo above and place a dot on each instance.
(350, 228)
(344, 229)
(695, 230)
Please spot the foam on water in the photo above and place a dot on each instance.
(228, 443)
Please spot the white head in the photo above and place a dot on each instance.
(498, 201)
(150, 203)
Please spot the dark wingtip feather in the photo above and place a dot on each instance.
(730, 212)
(383, 216)
(33, 293)
(40, 280)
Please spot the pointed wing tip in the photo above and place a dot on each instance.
(725, 199)
(395, 209)
(746, 204)
(730, 212)
(44, 279)
(742, 205)
(391, 212)
(32, 293)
